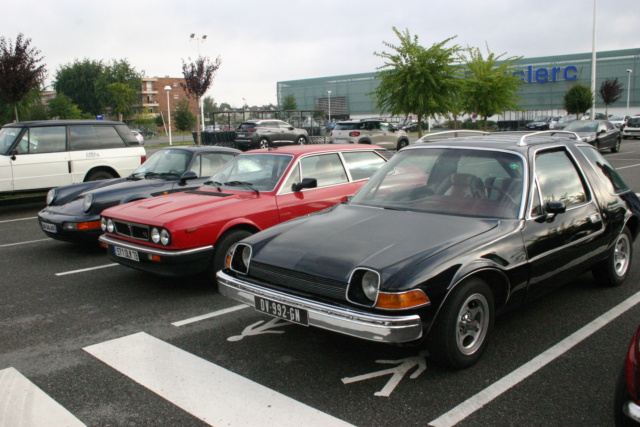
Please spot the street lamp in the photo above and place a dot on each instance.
(628, 88)
(168, 89)
(329, 92)
(199, 40)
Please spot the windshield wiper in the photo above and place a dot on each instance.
(247, 185)
(217, 184)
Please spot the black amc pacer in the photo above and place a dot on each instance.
(441, 239)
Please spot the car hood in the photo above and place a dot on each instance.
(164, 209)
(334, 243)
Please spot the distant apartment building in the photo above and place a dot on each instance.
(153, 96)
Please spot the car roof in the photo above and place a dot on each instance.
(62, 123)
(199, 148)
(297, 150)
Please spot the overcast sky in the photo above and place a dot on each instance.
(261, 42)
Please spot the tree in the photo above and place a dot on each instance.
(62, 107)
(183, 117)
(415, 80)
(20, 71)
(289, 102)
(198, 77)
(120, 98)
(610, 91)
(488, 86)
(78, 82)
(578, 99)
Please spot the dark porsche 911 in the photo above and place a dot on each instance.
(73, 211)
(442, 238)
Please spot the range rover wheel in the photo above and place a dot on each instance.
(99, 175)
(263, 143)
(615, 269)
(460, 332)
(222, 246)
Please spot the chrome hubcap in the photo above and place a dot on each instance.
(621, 255)
(473, 320)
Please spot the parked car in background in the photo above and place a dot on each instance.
(562, 122)
(190, 232)
(268, 133)
(619, 121)
(539, 123)
(73, 211)
(632, 128)
(39, 155)
(554, 120)
(442, 238)
(599, 133)
(138, 136)
(368, 131)
(626, 408)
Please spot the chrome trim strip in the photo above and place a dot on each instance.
(360, 324)
(632, 411)
(149, 250)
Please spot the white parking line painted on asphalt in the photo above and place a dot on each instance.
(626, 167)
(205, 390)
(24, 243)
(490, 393)
(82, 270)
(210, 315)
(18, 219)
(23, 404)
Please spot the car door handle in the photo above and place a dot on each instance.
(595, 218)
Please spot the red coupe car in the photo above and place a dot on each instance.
(191, 232)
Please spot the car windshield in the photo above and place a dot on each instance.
(448, 181)
(566, 119)
(540, 119)
(616, 118)
(582, 126)
(169, 164)
(633, 122)
(7, 137)
(251, 172)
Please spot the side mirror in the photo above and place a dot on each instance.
(291, 128)
(188, 175)
(306, 183)
(556, 207)
(13, 154)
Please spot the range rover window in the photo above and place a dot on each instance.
(94, 138)
(38, 140)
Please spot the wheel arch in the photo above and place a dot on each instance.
(96, 169)
(237, 226)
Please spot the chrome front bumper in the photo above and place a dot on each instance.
(360, 324)
(150, 249)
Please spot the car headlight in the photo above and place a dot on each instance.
(110, 225)
(364, 285)
(165, 237)
(103, 223)
(155, 235)
(87, 202)
(370, 285)
(51, 196)
(239, 259)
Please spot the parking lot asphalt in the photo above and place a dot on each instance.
(87, 342)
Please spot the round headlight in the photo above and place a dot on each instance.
(370, 285)
(103, 223)
(246, 256)
(51, 196)
(110, 225)
(155, 235)
(88, 201)
(165, 237)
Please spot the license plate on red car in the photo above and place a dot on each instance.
(126, 253)
(282, 311)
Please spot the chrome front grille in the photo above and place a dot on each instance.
(133, 230)
(296, 280)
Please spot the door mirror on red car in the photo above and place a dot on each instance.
(306, 183)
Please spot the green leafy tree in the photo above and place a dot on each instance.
(115, 97)
(578, 99)
(416, 80)
(183, 118)
(610, 91)
(20, 71)
(488, 86)
(225, 106)
(289, 102)
(123, 97)
(78, 82)
(61, 107)
(198, 77)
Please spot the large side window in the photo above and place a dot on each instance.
(362, 164)
(559, 179)
(94, 138)
(607, 174)
(49, 139)
(327, 169)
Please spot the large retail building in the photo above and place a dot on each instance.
(545, 81)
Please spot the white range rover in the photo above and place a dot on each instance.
(39, 155)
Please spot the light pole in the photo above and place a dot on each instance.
(329, 92)
(199, 40)
(168, 89)
(629, 71)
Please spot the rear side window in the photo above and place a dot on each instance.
(94, 138)
(607, 174)
(362, 164)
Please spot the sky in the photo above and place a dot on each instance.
(262, 42)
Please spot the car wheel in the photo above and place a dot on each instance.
(615, 269)
(222, 246)
(99, 175)
(402, 143)
(302, 140)
(616, 147)
(263, 143)
(460, 332)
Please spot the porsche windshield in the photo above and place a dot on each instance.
(168, 162)
(450, 181)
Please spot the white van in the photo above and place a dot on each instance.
(39, 155)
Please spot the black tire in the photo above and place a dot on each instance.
(621, 397)
(263, 143)
(614, 270)
(301, 140)
(99, 175)
(402, 143)
(460, 333)
(226, 241)
(616, 147)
